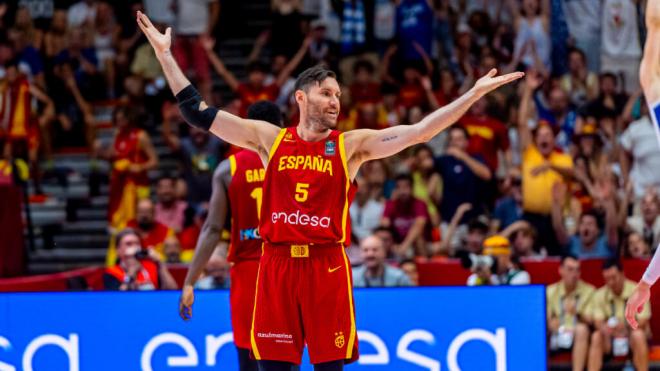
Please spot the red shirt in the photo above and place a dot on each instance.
(156, 236)
(365, 93)
(245, 197)
(307, 191)
(402, 217)
(412, 95)
(248, 95)
(487, 136)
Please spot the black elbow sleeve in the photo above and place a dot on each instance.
(189, 104)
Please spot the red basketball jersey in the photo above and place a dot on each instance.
(308, 191)
(245, 195)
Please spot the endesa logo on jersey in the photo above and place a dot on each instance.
(298, 218)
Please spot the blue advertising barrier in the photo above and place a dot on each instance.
(428, 328)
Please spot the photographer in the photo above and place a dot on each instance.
(138, 268)
(495, 267)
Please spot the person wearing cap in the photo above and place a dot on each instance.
(507, 271)
(569, 312)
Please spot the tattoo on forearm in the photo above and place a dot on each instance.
(388, 139)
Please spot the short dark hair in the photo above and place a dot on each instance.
(266, 111)
(595, 215)
(313, 75)
(404, 176)
(407, 261)
(460, 128)
(421, 148)
(566, 257)
(166, 176)
(610, 75)
(124, 233)
(613, 262)
(383, 228)
(363, 64)
(578, 51)
(477, 225)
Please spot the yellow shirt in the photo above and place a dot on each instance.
(606, 305)
(537, 190)
(557, 300)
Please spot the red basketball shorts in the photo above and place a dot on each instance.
(243, 276)
(304, 296)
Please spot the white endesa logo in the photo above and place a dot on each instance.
(300, 219)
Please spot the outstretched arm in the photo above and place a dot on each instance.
(252, 134)
(209, 236)
(649, 76)
(365, 145)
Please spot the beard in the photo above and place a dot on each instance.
(319, 119)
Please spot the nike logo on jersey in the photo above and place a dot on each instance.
(330, 270)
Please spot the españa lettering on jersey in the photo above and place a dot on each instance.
(245, 195)
(309, 191)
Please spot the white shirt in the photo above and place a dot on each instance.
(159, 11)
(620, 34)
(639, 139)
(583, 18)
(192, 17)
(365, 219)
(80, 13)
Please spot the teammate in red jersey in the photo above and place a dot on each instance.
(238, 187)
(304, 292)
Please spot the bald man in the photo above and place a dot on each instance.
(375, 272)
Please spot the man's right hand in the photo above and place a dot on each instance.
(159, 41)
(186, 302)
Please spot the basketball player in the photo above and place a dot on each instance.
(237, 185)
(649, 76)
(304, 293)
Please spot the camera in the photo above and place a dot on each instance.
(142, 254)
(475, 262)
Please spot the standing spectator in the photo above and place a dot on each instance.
(506, 271)
(414, 19)
(30, 61)
(169, 210)
(24, 22)
(612, 336)
(462, 175)
(641, 148)
(375, 272)
(532, 25)
(636, 247)
(135, 272)
(55, 38)
(591, 240)
(409, 218)
(132, 155)
(542, 166)
(287, 27)
(583, 19)
(41, 11)
(195, 20)
(215, 274)
(427, 184)
(621, 50)
(106, 37)
(153, 233)
(647, 225)
(568, 310)
(365, 211)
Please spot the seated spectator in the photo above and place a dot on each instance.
(364, 88)
(505, 270)
(523, 241)
(647, 224)
(216, 274)
(30, 61)
(460, 238)
(610, 101)
(409, 267)
(191, 231)
(365, 211)
(137, 268)
(591, 240)
(612, 335)
(132, 154)
(579, 83)
(379, 178)
(488, 137)
(386, 234)
(462, 176)
(636, 247)
(568, 309)
(375, 272)
(172, 250)
(409, 218)
(509, 209)
(169, 210)
(152, 233)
